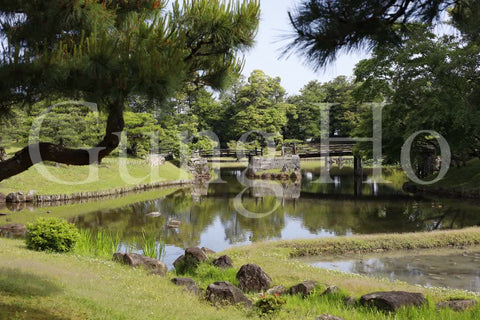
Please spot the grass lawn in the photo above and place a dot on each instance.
(112, 174)
(467, 177)
(36, 285)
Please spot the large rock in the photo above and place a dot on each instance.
(15, 197)
(30, 196)
(226, 293)
(190, 260)
(277, 290)
(393, 300)
(195, 254)
(188, 283)
(457, 305)
(331, 290)
(328, 317)
(16, 229)
(3, 198)
(253, 278)
(178, 264)
(304, 288)
(223, 262)
(183, 281)
(350, 301)
(136, 260)
(208, 251)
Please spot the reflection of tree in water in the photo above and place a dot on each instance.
(240, 229)
(364, 217)
(340, 215)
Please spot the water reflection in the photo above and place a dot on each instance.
(459, 270)
(208, 216)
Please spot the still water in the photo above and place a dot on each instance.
(212, 215)
(446, 268)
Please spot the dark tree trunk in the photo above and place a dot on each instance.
(35, 153)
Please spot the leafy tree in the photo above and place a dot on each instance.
(429, 84)
(139, 127)
(304, 122)
(108, 51)
(324, 28)
(259, 104)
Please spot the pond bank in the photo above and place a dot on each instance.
(461, 182)
(103, 193)
(380, 242)
(99, 288)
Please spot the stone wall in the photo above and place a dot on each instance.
(61, 198)
(199, 168)
(286, 164)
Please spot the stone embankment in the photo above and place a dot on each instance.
(32, 197)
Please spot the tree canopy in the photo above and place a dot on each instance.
(325, 28)
(107, 51)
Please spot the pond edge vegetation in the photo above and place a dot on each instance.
(276, 259)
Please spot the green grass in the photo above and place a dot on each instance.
(109, 177)
(36, 285)
(278, 259)
(103, 244)
(467, 177)
(382, 242)
(97, 243)
(285, 271)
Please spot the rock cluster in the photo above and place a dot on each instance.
(135, 260)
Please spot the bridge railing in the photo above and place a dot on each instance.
(317, 149)
(229, 153)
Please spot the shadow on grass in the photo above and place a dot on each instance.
(19, 312)
(14, 282)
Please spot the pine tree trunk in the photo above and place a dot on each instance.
(35, 153)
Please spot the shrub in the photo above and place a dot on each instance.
(269, 304)
(51, 234)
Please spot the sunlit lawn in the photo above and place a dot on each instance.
(112, 173)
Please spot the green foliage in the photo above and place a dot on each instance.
(373, 243)
(51, 234)
(323, 29)
(268, 305)
(104, 244)
(257, 104)
(97, 244)
(304, 121)
(206, 274)
(427, 86)
(142, 132)
(109, 51)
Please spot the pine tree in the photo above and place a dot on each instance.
(106, 51)
(325, 28)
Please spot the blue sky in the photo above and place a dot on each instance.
(293, 71)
